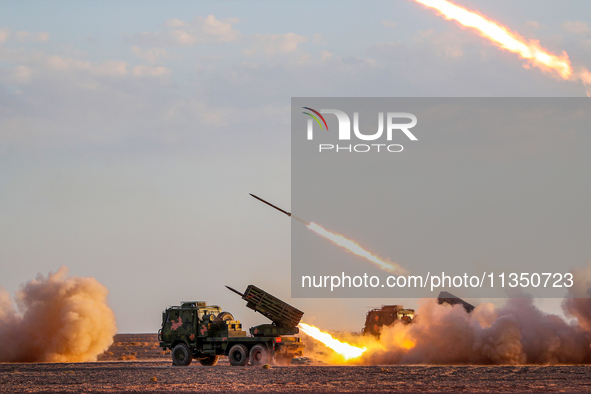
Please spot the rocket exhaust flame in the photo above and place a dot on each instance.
(502, 37)
(353, 247)
(347, 351)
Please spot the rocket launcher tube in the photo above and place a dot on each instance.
(279, 312)
(235, 291)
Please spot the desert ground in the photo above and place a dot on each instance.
(136, 364)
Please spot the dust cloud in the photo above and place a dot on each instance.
(57, 319)
(514, 334)
(578, 302)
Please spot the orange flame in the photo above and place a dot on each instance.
(353, 247)
(511, 41)
(347, 351)
(359, 348)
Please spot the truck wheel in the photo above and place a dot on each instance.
(209, 361)
(238, 355)
(224, 316)
(181, 356)
(259, 355)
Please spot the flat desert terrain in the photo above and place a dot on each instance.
(133, 364)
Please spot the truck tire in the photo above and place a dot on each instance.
(259, 355)
(181, 356)
(224, 316)
(209, 361)
(238, 355)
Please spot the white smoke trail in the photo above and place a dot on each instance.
(58, 319)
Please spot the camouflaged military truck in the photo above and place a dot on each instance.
(195, 330)
(387, 315)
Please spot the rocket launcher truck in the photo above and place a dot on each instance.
(195, 330)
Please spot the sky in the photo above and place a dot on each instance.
(132, 132)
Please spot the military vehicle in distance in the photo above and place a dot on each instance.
(448, 298)
(387, 315)
(195, 330)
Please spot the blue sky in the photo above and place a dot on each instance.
(132, 132)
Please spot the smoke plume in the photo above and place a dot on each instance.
(57, 319)
(578, 302)
(516, 333)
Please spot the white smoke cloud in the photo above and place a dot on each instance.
(57, 319)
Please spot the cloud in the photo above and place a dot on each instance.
(184, 38)
(576, 27)
(4, 34)
(276, 43)
(175, 23)
(59, 63)
(25, 36)
(151, 55)
(225, 85)
(533, 25)
(318, 39)
(222, 31)
(185, 33)
(108, 68)
(155, 39)
(150, 71)
(446, 44)
(388, 23)
(23, 74)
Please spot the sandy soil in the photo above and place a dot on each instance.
(155, 376)
(153, 372)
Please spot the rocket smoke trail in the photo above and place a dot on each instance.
(344, 242)
(504, 38)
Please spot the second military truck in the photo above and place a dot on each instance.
(195, 330)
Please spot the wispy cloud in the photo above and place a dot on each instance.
(188, 33)
(25, 36)
(576, 27)
(4, 34)
(150, 71)
(151, 55)
(107, 68)
(275, 43)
